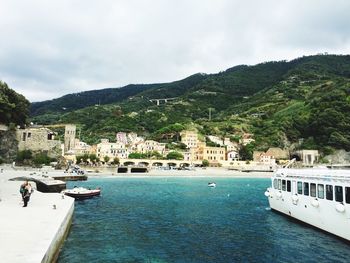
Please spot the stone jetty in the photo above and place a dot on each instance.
(34, 233)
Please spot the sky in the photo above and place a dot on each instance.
(52, 48)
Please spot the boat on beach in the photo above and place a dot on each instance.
(81, 192)
(318, 197)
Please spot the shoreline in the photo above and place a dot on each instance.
(198, 173)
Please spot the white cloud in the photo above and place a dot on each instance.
(51, 48)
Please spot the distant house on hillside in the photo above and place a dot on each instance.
(246, 138)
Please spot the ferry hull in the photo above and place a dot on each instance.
(321, 214)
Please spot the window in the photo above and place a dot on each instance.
(313, 190)
(300, 188)
(275, 184)
(279, 184)
(347, 195)
(288, 186)
(306, 188)
(338, 193)
(283, 185)
(329, 192)
(320, 191)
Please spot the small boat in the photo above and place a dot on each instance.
(81, 192)
(212, 184)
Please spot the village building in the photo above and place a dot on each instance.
(231, 146)
(215, 140)
(232, 155)
(150, 146)
(39, 139)
(133, 138)
(69, 137)
(246, 139)
(121, 137)
(308, 157)
(212, 154)
(190, 138)
(81, 148)
(111, 150)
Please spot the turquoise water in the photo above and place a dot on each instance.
(183, 220)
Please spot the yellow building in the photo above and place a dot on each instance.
(212, 154)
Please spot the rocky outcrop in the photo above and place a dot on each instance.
(8, 145)
(339, 157)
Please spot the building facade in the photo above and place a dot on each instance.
(39, 139)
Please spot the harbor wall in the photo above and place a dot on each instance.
(53, 250)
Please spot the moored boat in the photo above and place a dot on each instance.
(212, 184)
(318, 197)
(81, 192)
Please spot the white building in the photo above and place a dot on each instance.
(232, 156)
(81, 148)
(111, 149)
(121, 137)
(149, 146)
(190, 138)
(215, 140)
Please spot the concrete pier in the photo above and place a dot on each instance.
(34, 233)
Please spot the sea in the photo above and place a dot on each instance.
(181, 219)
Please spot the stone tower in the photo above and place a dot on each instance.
(69, 137)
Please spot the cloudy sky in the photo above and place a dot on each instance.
(56, 47)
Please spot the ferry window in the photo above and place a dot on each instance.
(279, 184)
(306, 188)
(329, 192)
(320, 191)
(313, 190)
(347, 195)
(338, 193)
(288, 186)
(283, 185)
(275, 184)
(300, 188)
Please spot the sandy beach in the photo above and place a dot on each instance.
(9, 172)
(198, 172)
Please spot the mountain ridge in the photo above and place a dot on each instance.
(287, 97)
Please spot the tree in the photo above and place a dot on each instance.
(205, 163)
(106, 159)
(24, 155)
(93, 158)
(246, 152)
(116, 161)
(175, 156)
(14, 107)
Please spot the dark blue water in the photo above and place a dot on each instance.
(183, 220)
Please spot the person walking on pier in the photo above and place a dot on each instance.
(25, 190)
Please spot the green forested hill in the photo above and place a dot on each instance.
(301, 103)
(14, 107)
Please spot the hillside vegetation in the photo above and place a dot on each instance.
(14, 107)
(303, 103)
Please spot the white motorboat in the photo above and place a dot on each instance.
(81, 192)
(212, 184)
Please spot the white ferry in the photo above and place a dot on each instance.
(319, 197)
